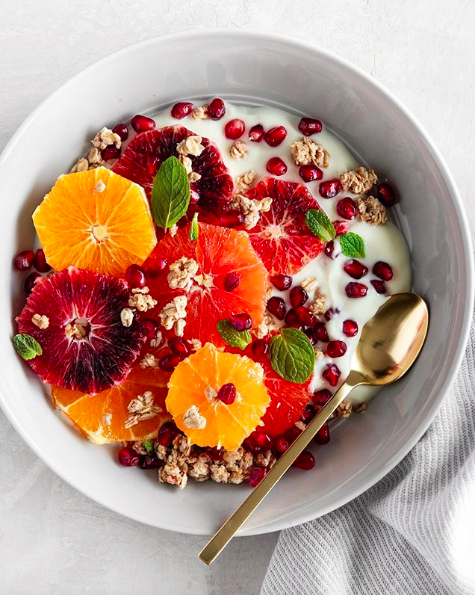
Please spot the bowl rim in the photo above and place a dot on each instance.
(304, 514)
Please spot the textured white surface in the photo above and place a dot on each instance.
(52, 539)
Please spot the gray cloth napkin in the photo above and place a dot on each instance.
(412, 533)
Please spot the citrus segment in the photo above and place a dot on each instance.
(95, 220)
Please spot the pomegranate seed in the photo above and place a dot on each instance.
(323, 434)
(231, 219)
(330, 188)
(305, 461)
(310, 173)
(260, 349)
(292, 319)
(310, 335)
(308, 413)
(216, 108)
(281, 282)
(142, 123)
(346, 208)
(340, 227)
(122, 130)
(149, 328)
(309, 126)
(379, 286)
(110, 152)
(386, 194)
(178, 346)
(321, 397)
(305, 316)
(256, 476)
(30, 282)
(251, 445)
(227, 393)
(234, 129)
(263, 440)
(24, 260)
(40, 263)
(275, 136)
(320, 332)
(240, 322)
(281, 444)
(276, 306)
(331, 374)
(256, 133)
(215, 454)
(149, 462)
(167, 433)
(336, 349)
(355, 269)
(350, 328)
(382, 270)
(231, 282)
(159, 265)
(329, 248)
(276, 166)
(293, 433)
(182, 109)
(298, 296)
(356, 290)
(331, 313)
(128, 457)
(169, 362)
(135, 276)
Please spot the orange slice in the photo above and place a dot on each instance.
(108, 416)
(95, 220)
(194, 385)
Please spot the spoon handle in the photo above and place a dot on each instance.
(219, 541)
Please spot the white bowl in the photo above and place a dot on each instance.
(269, 70)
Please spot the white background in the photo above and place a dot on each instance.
(53, 540)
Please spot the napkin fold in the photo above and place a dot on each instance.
(412, 533)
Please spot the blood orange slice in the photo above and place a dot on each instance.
(282, 238)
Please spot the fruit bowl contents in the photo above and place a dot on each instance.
(202, 281)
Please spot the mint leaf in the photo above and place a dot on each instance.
(320, 225)
(27, 346)
(148, 445)
(233, 337)
(170, 193)
(292, 356)
(194, 229)
(352, 245)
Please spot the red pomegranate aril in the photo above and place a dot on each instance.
(331, 313)
(276, 166)
(329, 249)
(231, 219)
(178, 346)
(122, 130)
(142, 123)
(215, 454)
(379, 286)
(309, 126)
(336, 349)
(256, 476)
(305, 316)
(227, 393)
(355, 268)
(386, 194)
(346, 208)
(292, 319)
(40, 263)
(149, 462)
(305, 461)
(330, 188)
(350, 328)
(24, 260)
(293, 433)
(216, 108)
(323, 434)
(240, 322)
(383, 271)
(308, 413)
(128, 457)
(159, 265)
(281, 444)
(110, 152)
(310, 335)
(256, 133)
(169, 362)
(167, 433)
(320, 332)
(321, 397)
(234, 129)
(356, 290)
(276, 306)
(250, 445)
(310, 173)
(135, 276)
(231, 282)
(298, 296)
(260, 349)
(149, 328)
(331, 374)
(281, 282)
(181, 109)
(275, 136)
(30, 282)
(263, 440)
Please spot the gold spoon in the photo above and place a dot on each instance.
(390, 342)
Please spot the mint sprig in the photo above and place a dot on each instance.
(231, 336)
(352, 245)
(320, 225)
(26, 346)
(170, 193)
(292, 355)
(194, 229)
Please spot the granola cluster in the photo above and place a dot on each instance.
(238, 150)
(41, 321)
(200, 112)
(141, 408)
(358, 181)
(104, 138)
(371, 210)
(182, 272)
(173, 315)
(245, 181)
(250, 208)
(307, 151)
(141, 299)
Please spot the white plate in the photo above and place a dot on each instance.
(264, 69)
